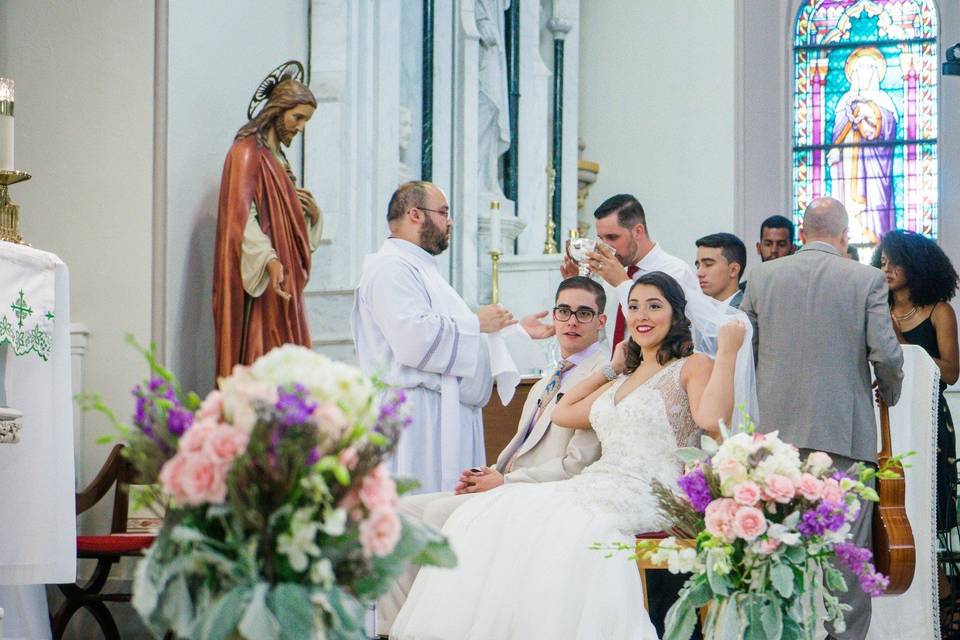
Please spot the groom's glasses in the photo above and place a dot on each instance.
(584, 314)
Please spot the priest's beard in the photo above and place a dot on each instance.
(433, 239)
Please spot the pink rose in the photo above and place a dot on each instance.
(746, 493)
(768, 546)
(226, 443)
(171, 475)
(349, 458)
(378, 489)
(832, 491)
(380, 532)
(810, 487)
(350, 501)
(203, 481)
(330, 419)
(749, 522)
(730, 469)
(212, 405)
(719, 518)
(195, 439)
(779, 488)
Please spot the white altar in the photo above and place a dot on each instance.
(914, 614)
(37, 513)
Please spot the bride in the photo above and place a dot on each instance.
(525, 569)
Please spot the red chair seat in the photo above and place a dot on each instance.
(118, 543)
(653, 535)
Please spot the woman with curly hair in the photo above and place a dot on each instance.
(922, 281)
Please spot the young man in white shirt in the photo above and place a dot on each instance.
(721, 259)
(622, 225)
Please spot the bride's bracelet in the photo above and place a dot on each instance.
(609, 373)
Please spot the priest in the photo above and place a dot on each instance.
(413, 330)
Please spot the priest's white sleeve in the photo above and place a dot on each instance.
(255, 252)
(418, 336)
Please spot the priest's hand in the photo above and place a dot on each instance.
(309, 204)
(536, 329)
(484, 480)
(275, 271)
(493, 317)
(604, 263)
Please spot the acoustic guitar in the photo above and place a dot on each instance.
(894, 553)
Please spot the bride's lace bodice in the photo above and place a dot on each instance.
(639, 436)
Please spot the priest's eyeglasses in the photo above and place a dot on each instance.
(445, 214)
(583, 314)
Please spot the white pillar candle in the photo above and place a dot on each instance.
(495, 226)
(6, 124)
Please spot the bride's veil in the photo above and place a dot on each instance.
(706, 316)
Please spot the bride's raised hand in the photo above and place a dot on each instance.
(731, 335)
(619, 360)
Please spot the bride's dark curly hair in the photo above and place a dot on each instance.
(678, 342)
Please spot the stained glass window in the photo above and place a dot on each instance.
(865, 113)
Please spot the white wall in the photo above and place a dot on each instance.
(84, 116)
(657, 112)
(219, 51)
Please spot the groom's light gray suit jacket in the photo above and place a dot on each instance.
(819, 321)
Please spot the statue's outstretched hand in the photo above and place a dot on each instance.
(275, 271)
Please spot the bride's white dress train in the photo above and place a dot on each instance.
(525, 569)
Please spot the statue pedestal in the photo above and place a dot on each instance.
(528, 284)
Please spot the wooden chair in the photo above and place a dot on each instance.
(645, 564)
(107, 550)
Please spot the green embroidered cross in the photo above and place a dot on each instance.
(20, 309)
(49, 315)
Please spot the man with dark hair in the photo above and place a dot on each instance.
(622, 225)
(776, 238)
(415, 332)
(721, 259)
(540, 451)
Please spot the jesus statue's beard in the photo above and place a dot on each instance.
(433, 239)
(285, 135)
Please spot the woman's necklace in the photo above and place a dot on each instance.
(907, 315)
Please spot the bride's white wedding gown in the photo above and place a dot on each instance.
(525, 569)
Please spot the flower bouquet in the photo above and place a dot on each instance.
(281, 519)
(770, 530)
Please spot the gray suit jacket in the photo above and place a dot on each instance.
(551, 452)
(819, 321)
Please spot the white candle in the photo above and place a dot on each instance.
(495, 226)
(6, 124)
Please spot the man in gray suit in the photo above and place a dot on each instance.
(819, 322)
(540, 451)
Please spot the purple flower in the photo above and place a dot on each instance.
(828, 516)
(313, 456)
(179, 420)
(294, 405)
(874, 583)
(695, 485)
(857, 560)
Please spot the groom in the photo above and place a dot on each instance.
(540, 451)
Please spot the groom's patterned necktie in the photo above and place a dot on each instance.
(549, 393)
(619, 329)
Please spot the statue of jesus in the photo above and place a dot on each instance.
(267, 229)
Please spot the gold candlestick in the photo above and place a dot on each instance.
(550, 245)
(495, 277)
(9, 211)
